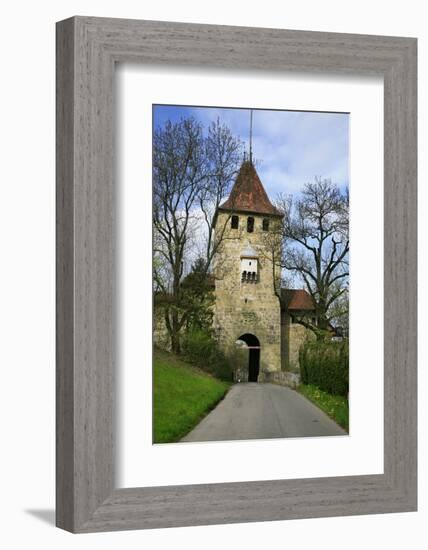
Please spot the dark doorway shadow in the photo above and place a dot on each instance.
(253, 365)
(46, 515)
(253, 356)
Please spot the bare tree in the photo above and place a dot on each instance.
(224, 155)
(178, 173)
(315, 246)
(191, 174)
(339, 312)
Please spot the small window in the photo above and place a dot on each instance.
(265, 224)
(250, 224)
(235, 222)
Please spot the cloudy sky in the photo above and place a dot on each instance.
(290, 147)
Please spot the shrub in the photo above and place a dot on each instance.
(201, 349)
(326, 365)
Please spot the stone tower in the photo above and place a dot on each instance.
(247, 309)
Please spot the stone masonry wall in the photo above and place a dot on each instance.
(242, 307)
(293, 336)
(160, 333)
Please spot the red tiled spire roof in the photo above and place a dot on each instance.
(248, 193)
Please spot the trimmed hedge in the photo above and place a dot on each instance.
(201, 349)
(326, 365)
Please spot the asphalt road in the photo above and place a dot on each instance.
(263, 411)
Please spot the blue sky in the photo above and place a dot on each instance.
(290, 148)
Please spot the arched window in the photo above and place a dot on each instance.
(235, 222)
(265, 225)
(250, 224)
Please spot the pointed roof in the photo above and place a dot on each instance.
(248, 193)
(248, 252)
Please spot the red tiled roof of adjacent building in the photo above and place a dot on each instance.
(248, 193)
(296, 299)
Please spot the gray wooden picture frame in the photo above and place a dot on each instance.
(87, 50)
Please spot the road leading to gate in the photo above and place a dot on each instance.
(263, 411)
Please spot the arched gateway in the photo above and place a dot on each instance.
(253, 346)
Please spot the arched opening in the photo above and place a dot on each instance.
(253, 346)
(265, 224)
(250, 224)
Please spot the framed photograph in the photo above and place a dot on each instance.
(236, 274)
(229, 263)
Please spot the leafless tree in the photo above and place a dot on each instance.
(315, 246)
(192, 172)
(223, 155)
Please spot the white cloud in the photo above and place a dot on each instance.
(290, 147)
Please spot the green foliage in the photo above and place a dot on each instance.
(182, 396)
(201, 349)
(238, 357)
(326, 365)
(335, 406)
(197, 297)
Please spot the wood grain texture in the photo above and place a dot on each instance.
(87, 49)
(64, 277)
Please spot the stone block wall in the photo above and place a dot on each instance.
(283, 378)
(246, 307)
(293, 337)
(160, 333)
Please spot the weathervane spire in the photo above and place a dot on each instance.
(251, 136)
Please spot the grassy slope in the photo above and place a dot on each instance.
(335, 406)
(182, 395)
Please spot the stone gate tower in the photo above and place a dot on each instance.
(247, 308)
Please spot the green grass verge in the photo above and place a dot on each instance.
(182, 396)
(335, 406)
